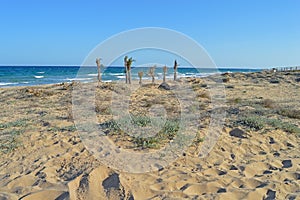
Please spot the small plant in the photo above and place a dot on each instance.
(199, 140)
(151, 142)
(71, 128)
(204, 95)
(237, 100)
(268, 103)
(171, 128)
(8, 145)
(141, 121)
(252, 122)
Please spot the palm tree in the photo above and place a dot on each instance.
(99, 68)
(152, 73)
(125, 65)
(165, 69)
(140, 76)
(128, 66)
(175, 70)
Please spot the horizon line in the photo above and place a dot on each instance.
(57, 65)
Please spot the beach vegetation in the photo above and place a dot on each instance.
(17, 123)
(9, 144)
(268, 103)
(253, 122)
(290, 113)
(237, 100)
(285, 126)
(258, 123)
(167, 132)
(204, 95)
(70, 128)
(9, 141)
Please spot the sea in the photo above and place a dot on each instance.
(38, 75)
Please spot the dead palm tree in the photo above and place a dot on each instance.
(152, 73)
(165, 69)
(175, 70)
(99, 68)
(125, 65)
(128, 67)
(140, 76)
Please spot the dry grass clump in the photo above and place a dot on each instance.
(268, 103)
(204, 95)
(36, 92)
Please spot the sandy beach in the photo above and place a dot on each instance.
(256, 155)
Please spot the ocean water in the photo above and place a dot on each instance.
(37, 75)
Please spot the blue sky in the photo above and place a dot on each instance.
(235, 33)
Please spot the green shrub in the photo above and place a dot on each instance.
(253, 122)
(289, 113)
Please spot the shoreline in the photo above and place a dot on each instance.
(32, 76)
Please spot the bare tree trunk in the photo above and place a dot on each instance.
(165, 71)
(129, 76)
(99, 69)
(175, 70)
(126, 71)
(99, 74)
(175, 75)
(140, 76)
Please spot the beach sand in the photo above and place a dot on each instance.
(256, 155)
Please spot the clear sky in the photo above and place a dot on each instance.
(236, 33)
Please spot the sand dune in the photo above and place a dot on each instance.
(256, 155)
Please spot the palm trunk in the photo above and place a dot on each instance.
(129, 76)
(99, 74)
(165, 72)
(175, 75)
(99, 68)
(126, 71)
